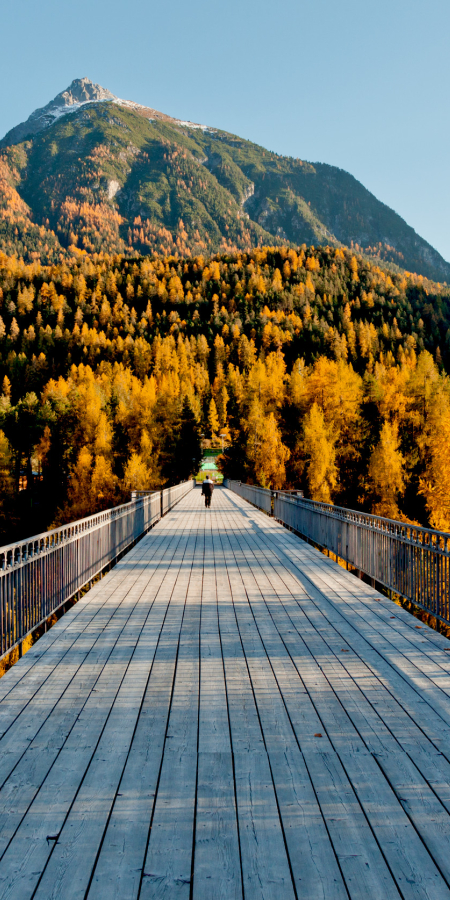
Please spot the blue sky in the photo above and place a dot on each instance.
(361, 85)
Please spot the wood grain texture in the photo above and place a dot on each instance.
(227, 714)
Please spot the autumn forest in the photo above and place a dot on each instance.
(323, 370)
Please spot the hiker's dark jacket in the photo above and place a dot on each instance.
(207, 488)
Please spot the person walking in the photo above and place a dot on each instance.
(207, 489)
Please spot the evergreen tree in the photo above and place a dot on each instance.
(183, 456)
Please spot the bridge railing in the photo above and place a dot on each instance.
(39, 575)
(409, 560)
(260, 497)
(170, 496)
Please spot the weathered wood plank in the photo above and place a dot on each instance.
(30, 851)
(74, 679)
(120, 864)
(345, 625)
(90, 615)
(227, 714)
(313, 863)
(168, 864)
(429, 818)
(217, 867)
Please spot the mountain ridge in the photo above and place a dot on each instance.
(80, 92)
(97, 173)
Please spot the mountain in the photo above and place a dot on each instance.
(98, 173)
(79, 93)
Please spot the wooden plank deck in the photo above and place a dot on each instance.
(227, 714)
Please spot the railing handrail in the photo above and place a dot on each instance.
(347, 513)
(409, 560)
(370, 520)
(78, 525)
(89, 523)
(40, 574)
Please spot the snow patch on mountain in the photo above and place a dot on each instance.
(193, 125)
(82, 92)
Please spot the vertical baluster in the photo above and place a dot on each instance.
(9, 592)
(2, 604)
(444, 580)
(18, 609)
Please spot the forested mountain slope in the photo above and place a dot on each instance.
(92, 171)
(325, 371)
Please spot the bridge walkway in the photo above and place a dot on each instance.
(227, 714)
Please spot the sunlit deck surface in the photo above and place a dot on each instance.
(227, 714)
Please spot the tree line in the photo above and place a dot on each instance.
(322, 370)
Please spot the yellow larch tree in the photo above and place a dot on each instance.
(336, 388)
(221, 405)
(137, 476)
(103, 436)
(265, 449)
(266, 379)
(386, 472)
(213, 419)
(389, 390)
(318, 446)
(296, 388)
(79, 491)
(103, 484)
(435, 483)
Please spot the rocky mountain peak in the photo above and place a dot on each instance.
(80, 91)
(227, 192)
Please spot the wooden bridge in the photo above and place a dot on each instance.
(227, 714)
